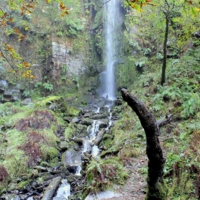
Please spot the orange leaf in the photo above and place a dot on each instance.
(11, 20)
(3, 22)
(26, 65)
(16, 30)
(62, 6)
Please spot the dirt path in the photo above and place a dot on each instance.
(135, 186)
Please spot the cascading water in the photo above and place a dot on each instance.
(111, 31)
(112, 27)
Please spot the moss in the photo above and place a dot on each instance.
(48, 101)
(12, 119)
(15, 138)
(107, 143)
(16, 163)
(49, 153)
(54, 162)
(23, 184)
(70, 131)
(72, 111)
(50, 137)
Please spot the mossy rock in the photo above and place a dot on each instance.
(73, 111)
(70, 131)
(15, 163)
(23, 184)
(50, 154)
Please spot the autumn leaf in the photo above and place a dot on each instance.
(26, 65)
(62, 6)
(16, 30)
(11, 20)
(3, 22)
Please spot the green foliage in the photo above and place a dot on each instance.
(47, 100)
(46, 85)
(191, 106)
(103, 173)
(70, 131)
(74, 26)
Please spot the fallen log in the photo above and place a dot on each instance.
(93, 142)
(49, 192)
(99, 137)
(156, 189)
(164, 121)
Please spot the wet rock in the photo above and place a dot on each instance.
(41, 169)
(118, 102)
(30, 198)
(3, 83)
(7, 95)
(86, 121)
(99, 116)
(73, 111)
(71, 159)
(10, 197)
(87, 115)
(26, 101)
(63, 146)
(76, 120)
(1, 90)
(103, 123)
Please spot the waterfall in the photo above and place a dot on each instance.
(111, 31)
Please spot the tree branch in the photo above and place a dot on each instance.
(153, 150)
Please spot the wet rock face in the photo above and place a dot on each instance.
(71, 159)
(9, 93)
(62, 56)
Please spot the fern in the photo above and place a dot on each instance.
(48, 100)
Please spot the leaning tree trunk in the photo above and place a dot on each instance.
(156, 189)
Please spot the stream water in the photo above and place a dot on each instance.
(108, 93)
(108, 90)
(64, 190)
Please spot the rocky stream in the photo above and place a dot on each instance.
(67, 180)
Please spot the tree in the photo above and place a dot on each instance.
(156, 188)
(180, 19)
(167, 9)
(13, 12)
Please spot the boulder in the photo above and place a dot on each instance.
(71, 159)
(86, 121)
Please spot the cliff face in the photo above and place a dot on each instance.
(65, 53)
(56, 47)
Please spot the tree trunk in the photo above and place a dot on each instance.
(163, 78)
(156, 189)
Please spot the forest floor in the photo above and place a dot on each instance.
(135, 186)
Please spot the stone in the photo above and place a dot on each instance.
(71, 159)
(86, 121)
(1, 90)
(103, 123)
(75, 120)
(10, 197)
(63, 145)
